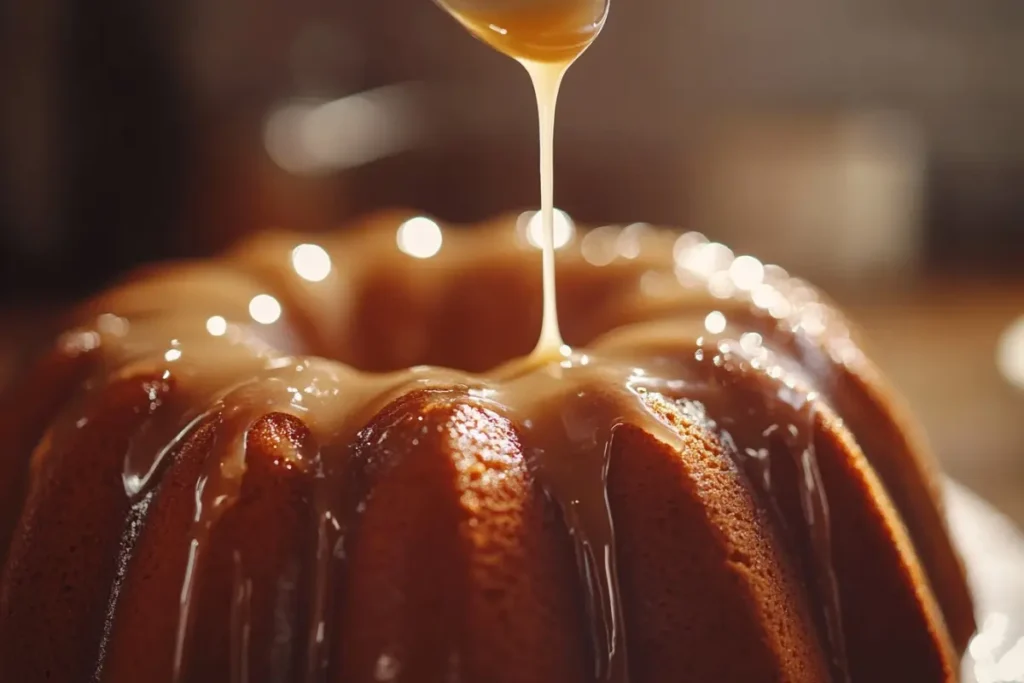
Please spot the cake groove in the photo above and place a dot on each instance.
(231, 477)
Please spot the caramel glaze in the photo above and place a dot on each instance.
(264, 514)
(537, 31)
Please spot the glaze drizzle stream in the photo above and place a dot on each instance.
(546, 38)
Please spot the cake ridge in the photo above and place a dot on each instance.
(238, 412)
(235, 380)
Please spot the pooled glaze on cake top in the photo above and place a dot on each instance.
(668, 324)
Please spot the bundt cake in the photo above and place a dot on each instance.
(223, 472)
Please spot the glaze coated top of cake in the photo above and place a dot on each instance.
(316, 370)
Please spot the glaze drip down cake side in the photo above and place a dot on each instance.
(256, 468)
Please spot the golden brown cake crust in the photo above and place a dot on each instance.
(209, 500)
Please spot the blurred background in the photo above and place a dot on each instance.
(873, 145)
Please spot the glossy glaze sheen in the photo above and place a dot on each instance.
(539, 31)
(714, 486)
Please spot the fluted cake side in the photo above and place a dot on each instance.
(258, 468)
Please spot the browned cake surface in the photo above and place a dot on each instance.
(673, 502)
